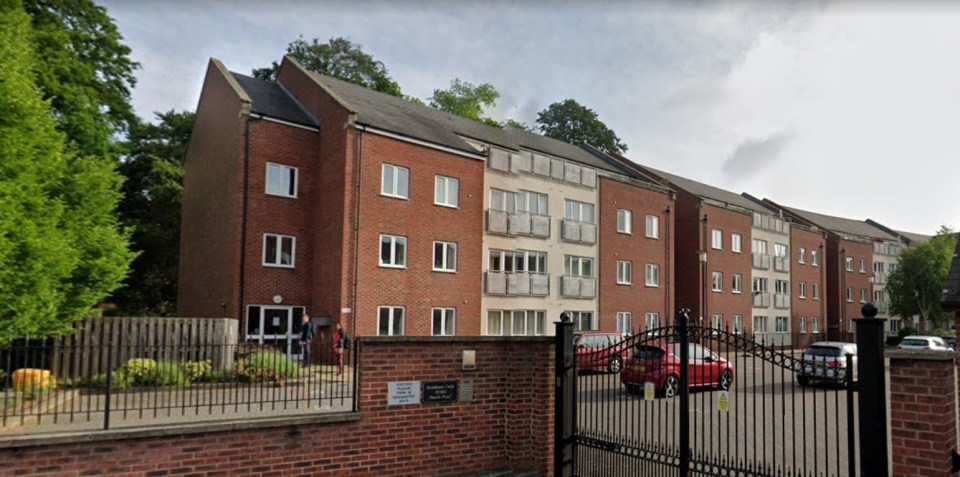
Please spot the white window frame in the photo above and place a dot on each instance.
(535, 203)
(652, 275)
(802, 290)
(503, 201)
(624, 272)
(781, 287)
(815, 258)
(737, 285)
(624, 221)
(863, 265)
(781, 320)
(279, 251)
(498, 331)
(815, 291)
(815, 325)
(849, 264)
(716, 322)
(716, 281)
(863, 295)
(444, 312)
(716, 242)
(284, 173)
(573, 266)
(737, 324)
(391, 317)
(624, 322)
(653, 227)
(578, 316)
(445, 182)
(396, 181)
(801, 255)
(651, 321)
(394, 239)
(447, 248)
(517, 261)
(803, 325)
(736, 243)
(575, 210)
(760, 319)
(849, 294)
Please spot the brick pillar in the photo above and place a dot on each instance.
(923, 412)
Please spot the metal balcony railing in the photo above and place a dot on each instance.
(577, 231)
(879, 278)
(521, 223)
(781, 301)
(781, 264)
(883, 307)
(578, 287)
(761, 261)
(761, 300)
(517, 283)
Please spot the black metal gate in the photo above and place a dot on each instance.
(689, 399)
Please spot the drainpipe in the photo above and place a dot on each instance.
(356, 231)
(666, 261)
(243, 221)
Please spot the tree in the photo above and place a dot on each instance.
(916, 286)
(153, 167)
(574, 123)
(86, 72)
(513, 123)
(340, 58)
(467, 100)
(60, 252)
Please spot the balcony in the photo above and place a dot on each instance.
(879, 278)
(761, 261)
(577, 231)
(781, 264)
(883, 307)
(781, 301)
(761, 300)
(522, 223)
(578, 287)
(517, 283)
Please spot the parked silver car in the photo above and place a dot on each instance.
(826, 361)
(924, 342)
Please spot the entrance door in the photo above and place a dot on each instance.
(275, 326)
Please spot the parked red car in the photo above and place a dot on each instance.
(599, 351)
(660, 364)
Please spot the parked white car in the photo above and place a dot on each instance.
(924, 342)
(826, 361)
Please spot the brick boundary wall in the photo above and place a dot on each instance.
(509, 424)
(923, 412)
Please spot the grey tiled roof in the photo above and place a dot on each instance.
(842, 225)
(951, 288)
(399, 116)
(708, 191)
(913, 238)
(269, 99)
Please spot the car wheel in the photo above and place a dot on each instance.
(726, 379)
(671, 386)
(803, 381)
(615, 364)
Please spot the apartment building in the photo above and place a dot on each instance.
(314, 195)
(808, 276)
(886, 255)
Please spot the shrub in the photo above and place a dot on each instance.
(140, 369)
(119, 381)
(267, 366)
(196, 370)
(167, 374)
(219, 376)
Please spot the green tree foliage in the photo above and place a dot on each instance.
(513, 123)
(340, 58)
(916, 286)
(60, 252)
(85, 72)
(467, 100)
(152, 195)
(574, 123)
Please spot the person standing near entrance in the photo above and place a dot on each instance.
(307, 331)
(339, 343)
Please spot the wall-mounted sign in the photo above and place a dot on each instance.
(403, 392)
(345, 310)
(466, 390)
(440, 391)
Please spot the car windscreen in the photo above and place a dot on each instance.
(912, 342)
(825, 351)
(648, 352)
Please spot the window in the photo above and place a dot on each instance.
(624, 322)
(582, 320)
(579, 211)
(878, 267)
(849, 294)
(759, 285)
(782, 287)
(577, 266)
(624, 272)
(444, 257)
(393, 251)
(802, 293)
(653, 226)
(717, 281)
(782, 324)
(863, 265)
(717, 242)
(759, 324)
(532, 202)
(624, 221)
(815, 258)
(849, 264)
(736, 242)
(815, 290)
(446, 192)
(815, 322)
(503, 201)
(390, 320)
(444, 321)
(395, 181)
(759, 246)
(877, 295)
(802, 255)
(279, 250)
(737, 285)
(863, 295)
(281, 180)
(652, 275)
(516, 322)
(738, 324)
(651, 321)
(803, 324)
(779, 250)
(892, 267)
(495, 322)
(518, 261)
(716, 322)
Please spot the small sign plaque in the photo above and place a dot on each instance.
(723, 404)
(440, 391)
(403, 392)
(466, 390)
(649, 391)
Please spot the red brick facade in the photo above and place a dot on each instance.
(637, 298)
(807, 275)
(509, 424)
(839, 279)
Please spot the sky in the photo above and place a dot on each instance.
(846, 108)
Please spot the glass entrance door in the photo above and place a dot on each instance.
(275, 326)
